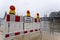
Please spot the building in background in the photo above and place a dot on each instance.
(55, 14)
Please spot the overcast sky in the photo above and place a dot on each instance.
(40, 6)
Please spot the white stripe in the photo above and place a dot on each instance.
(11, 35)
(12, 17)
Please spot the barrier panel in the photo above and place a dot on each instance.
(31, 24)
(28, 23)
(14, 26)
(36, 24)
(31, 28)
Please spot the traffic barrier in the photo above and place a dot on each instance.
(36, 23)
(18, 25)
(14, 25)
(28, 23)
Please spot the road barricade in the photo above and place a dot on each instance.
(14, 26)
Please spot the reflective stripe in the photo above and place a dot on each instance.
(12, 17)
(17, 18)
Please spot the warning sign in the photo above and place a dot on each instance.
(28, 19)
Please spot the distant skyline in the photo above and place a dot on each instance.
(40, 6)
